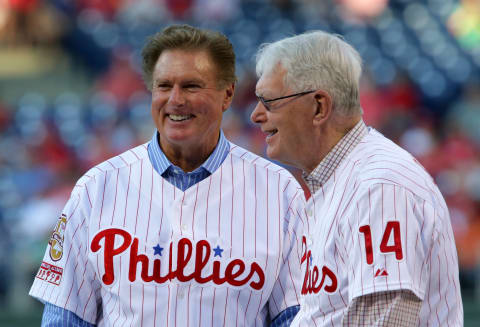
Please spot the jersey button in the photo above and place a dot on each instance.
(180, 293)
(310, 213)
(184, 227)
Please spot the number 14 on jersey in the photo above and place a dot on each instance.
(392, 231)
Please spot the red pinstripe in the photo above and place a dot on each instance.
(220, 201)
(149, 210)
(83, 280)
(383, 227)
(143, 300)
(139, 192)
(88, 196)
(275, 303)
(338, 207)
(176, 305)
(280, 241)
(255, 192)
(448, 276)
(291, 279)
(193, 215)
(161, 217)
(259, 304)
(181, 214)
(103, 198)
(351, 233)
(71, 288)
(115, 200)
(369, 219)
(168, 304)
(155, 309)
(231, 213)
(236, 315)
(225, 310)
(397, 218)
(243, 212)
(268, 219)
(131, 150)
(126, 197)
(206, 211)
(88, 300)
(396, 172)
(131, 309)
(246, 308)
(201, 296)
(361, 269)
(188, 306)
(337, 270)
(213, 304)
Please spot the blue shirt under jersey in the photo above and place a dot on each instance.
(54, 316)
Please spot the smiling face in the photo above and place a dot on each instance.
(289, 124)
(187, 103)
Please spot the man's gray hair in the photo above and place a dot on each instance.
(317, 60)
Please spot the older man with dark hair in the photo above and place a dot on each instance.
(378, 249)
(186, 230)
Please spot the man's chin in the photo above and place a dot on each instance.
(281, 158)
(273, 154)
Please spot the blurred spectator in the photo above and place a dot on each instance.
(120, 80)
(5, 259)
(215, 10)
(29, 22)
(465, 113)
(180, 9)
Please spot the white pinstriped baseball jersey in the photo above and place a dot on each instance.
(131, 249)
(379, 223)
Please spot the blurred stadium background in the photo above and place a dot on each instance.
(71, 96)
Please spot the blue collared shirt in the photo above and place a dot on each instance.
(175, 175)
(54, 316)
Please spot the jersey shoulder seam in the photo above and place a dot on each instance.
(258, 161)
(125, 159)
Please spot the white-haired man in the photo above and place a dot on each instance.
(379, 250)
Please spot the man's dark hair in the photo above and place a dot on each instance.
(185, 37)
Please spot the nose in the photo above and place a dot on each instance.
(259, 114)
(176, 97)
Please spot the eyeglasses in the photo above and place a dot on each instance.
(266, 102)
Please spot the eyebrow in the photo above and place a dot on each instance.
(260, 94)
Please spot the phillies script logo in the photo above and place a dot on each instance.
(234, 274)
(310, 282)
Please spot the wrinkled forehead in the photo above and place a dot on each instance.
(272, 81)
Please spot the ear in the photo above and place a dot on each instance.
(324, 104)
(228, 96)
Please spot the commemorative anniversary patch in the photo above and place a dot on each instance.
(50, 273)
(56, 240)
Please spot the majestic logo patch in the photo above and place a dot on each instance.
(50, 273)
(56, 240)
(185, 261)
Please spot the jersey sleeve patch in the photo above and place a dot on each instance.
(50, 273)
(56, 240)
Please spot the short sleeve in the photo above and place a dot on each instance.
(66, 278)
(392, 235)
(287, 288)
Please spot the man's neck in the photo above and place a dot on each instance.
(189, 158)
(327, 138)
